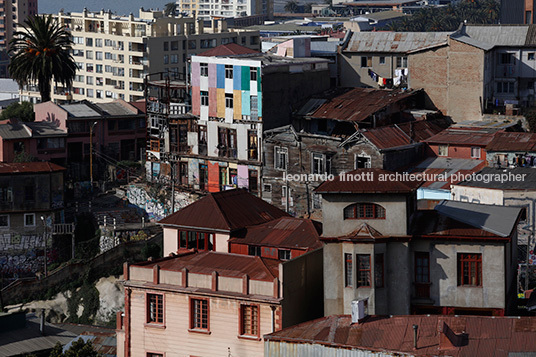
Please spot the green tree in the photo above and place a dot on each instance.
(291, 6)
(170, 9)
(308, 8)
(79, 348)
(41, 53)
(21, 111)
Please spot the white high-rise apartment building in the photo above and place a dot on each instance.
(208, 9)
(114, 53)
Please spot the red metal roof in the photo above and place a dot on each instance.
(359, 103)
(140, 105)
(512, 142)
(226, 264)
(285, 232)
(230, 49)
(386, 137)
(472, 335)
(368, 181)
(28, 167)
(224, 211)
(423, 129)
(463, 136)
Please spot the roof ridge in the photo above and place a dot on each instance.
(266, 267)
(220, 210)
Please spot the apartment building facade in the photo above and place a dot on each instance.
(208, 9)
(12, 12)
(114, 53)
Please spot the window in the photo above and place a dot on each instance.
(254, 250)
(506, 58)
(174, 45)
(443, 150)
(366, 61)
(348, 277)
(284, 254)
(174, 58)
(108, 55)
(362, 162)
(475, 152)
(29, 193)
(530, 56)
(382, 60)
(528, 17)
(228, 72)
(364, 211)
(98, 55)
(78, 40)
(227, 142)
(252, 73)
(6, 194)
(29, 220)
(196, 240)
(401, 62)
(280, 158)
(89, 54)
(229, 101)
(89, 67)
(199, 314)
(166, 59)
(378, 270)
(233, 177)
(253, 179)
(166, 46)
(202, 139)
(249, 320)
(252, 145)
(203, 176)
(150, 354)
(320, 164)
(155, 308)
(89, 42)
(98, 69)
(204, 98)
(470, 269)
(363, 270)
(505, 87)
(192, 45)
(98, 42)
(4, 220)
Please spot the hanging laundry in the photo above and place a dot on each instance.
(380, 81)
(384, 81)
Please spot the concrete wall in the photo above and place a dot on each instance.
(396, 214)
(353, 75)
(477, 195)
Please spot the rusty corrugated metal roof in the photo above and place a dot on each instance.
(226, 264)
(28, 167)
(285, 232)
(367, 181)
(485, 336)
(463, 136)
(386, 137)
(398, 42)
(512, 142)
(421, 130)
(224, 211)
(359, 103)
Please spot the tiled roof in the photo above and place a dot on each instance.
(28, 167)
(230, 49)
(512, 142)
(226, 264)
(358, 104)
(285, 232)
(224, 211)
(367, 181)
(463, 136)
(471, 335)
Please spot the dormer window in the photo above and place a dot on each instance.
(364, 211)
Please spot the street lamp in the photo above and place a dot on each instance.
(91, 153)
(45, 242)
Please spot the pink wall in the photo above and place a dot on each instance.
(51, 112)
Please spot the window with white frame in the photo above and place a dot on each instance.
(4, 221)
(204, 98)
(29, 220)
(402, 62)
(361, 162)
(228, 101)
(228, 71)
(443, 150)
(475, 152)
(317, 201)
(280, 158)
(204, 69)
(320, 164)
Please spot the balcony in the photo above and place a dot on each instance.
(178, 108)
(506, 71)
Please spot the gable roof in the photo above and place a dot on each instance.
(498, 220)
(284, 232)
(487, 336)
(395, 42)
(14, 130)
(387, 137)
(358, 104)
(230, 49)
(226, 264)
(512, 142)
(487, 37)
(368, 181)
(224, 211)
(463, 136)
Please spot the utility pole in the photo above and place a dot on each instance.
(45, 242)
(527, 262)
(91, 153)
(172, 186)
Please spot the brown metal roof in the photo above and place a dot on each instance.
(512, 142)
(230, 49)
(226, 264)
(367, 181)
(358, 104)
(386, 137)
(224, 211)
(484, 336)
(423, 129)
(285, 232)
(463, 136)
(28, 167)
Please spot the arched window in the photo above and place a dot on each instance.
(364, 211)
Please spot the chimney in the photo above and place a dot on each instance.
(415, 330)
(359, 310)
(42, 322)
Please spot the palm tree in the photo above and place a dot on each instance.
(40, 53)
(291, 6)
(170, 9)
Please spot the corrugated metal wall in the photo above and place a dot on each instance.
(284, 349)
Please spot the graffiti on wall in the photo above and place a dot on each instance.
(139, 197)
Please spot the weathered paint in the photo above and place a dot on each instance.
(286, 349)
(212, 75)
(237, 104)
(220, 76)
(212, 102)
(213, 177)
(195, 74)
(246, 103)
(243, 176)
(220, 102)
(237, 78)
(196, 100)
